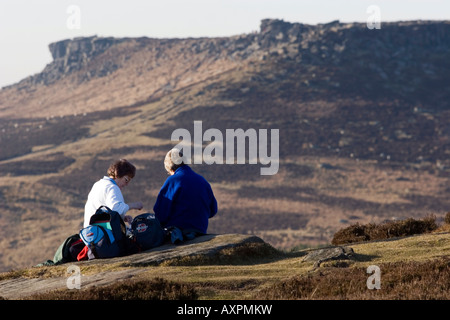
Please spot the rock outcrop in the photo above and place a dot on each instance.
(202, 248)
(332, 43)
(72, 55)
(326, 254)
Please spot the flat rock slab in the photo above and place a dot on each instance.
(205, 246)
(23, 287)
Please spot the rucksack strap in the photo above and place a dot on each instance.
(93, 250)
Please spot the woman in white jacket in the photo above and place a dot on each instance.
(108, 192)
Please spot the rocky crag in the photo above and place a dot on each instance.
(327, 44)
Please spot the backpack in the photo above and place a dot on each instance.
(105, 236)
(72, 248)
(67, 252)
(178, 236)
(147, 231)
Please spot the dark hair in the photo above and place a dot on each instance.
(121, 168)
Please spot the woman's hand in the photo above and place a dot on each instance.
(128, 219)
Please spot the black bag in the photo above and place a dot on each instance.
(68, 250)
(147, 231)
(106, 235)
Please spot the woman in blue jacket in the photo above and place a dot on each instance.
(186, 200)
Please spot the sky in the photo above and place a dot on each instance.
(27, 27)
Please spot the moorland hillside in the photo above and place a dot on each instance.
(363, 120)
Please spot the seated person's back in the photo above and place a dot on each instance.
(186, 199)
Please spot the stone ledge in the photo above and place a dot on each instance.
(205, 246)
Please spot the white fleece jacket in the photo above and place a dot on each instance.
(104, 192)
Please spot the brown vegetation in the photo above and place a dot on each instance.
(154, 289)
(385, 230)
(400, 281)
(447, 218)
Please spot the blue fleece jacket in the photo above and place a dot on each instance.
(186, 201)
